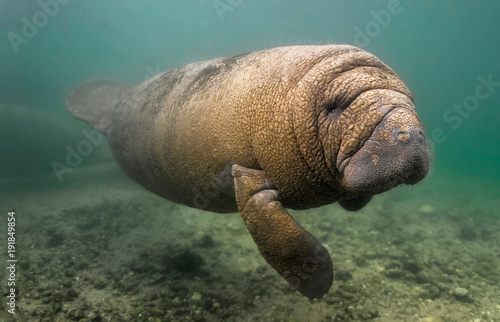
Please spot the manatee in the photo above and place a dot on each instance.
(290, 127)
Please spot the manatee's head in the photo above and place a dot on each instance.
(371, 136)
(393, 151)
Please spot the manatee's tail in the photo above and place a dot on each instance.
(94, 101)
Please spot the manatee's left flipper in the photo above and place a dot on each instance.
(290, 249)
(355, 204)
(94, 102)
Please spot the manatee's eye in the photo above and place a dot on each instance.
(336, 106)
(333, 113)
(334, 110)
(330, 107)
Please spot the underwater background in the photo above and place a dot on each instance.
(447, 52)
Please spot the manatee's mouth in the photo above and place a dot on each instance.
(343, 160)
(396, 153)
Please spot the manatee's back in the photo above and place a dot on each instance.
(156, 136)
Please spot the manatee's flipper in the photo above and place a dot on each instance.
(94, 101)
(290, 249)
(355, 204)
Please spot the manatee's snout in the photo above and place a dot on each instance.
(396, 153)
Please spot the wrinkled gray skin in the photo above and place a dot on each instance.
(290, 127)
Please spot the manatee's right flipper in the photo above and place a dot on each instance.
(291, 250)
(355, 204)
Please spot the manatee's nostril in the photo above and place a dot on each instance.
(402, 136)
(419, 136)
(412, 135)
